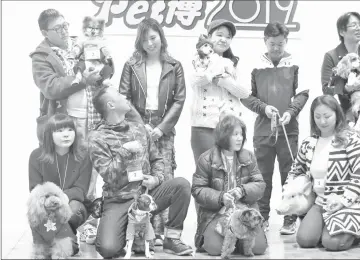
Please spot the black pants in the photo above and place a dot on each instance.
(265, 151)
(111, 235)
(79, 215)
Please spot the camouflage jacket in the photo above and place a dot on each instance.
(111, 160)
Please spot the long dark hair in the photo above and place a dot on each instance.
(143, 28)
(341, 126)
(56, 122)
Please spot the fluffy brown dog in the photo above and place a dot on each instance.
(349, 68)
(244, 224)
(91, 49)
(48, 215)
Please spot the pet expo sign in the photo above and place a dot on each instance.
(252, 15)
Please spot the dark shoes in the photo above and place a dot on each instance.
(289, 227)
(176, 247)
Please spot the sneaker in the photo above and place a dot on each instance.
(266, 226)
(88, 235)
(176, 247)
(159, 240)
(289, 227)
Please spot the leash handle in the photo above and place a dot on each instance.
(286, 137)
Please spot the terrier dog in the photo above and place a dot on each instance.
(91, 50)
(139, 230)
(244, 224)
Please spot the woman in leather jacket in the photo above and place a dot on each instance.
(154, 83)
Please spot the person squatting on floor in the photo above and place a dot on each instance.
(334, 219)
(227, 172)
(128, 161)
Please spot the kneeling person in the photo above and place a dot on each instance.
(127, 160)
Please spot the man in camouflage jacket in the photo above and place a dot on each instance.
(125, 156)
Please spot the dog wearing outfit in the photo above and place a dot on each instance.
(139, 228)
(244, 223)
(48, 215)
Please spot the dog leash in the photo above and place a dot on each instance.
(286, 136)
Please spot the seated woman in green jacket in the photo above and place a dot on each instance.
(60, 160)
(226, 166)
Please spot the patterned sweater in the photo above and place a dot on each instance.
(343, 178)
(210, 98)
(111, 160)
(276, 86)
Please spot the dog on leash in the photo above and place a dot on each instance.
(244, 224)
(48, 215)
(139, 231)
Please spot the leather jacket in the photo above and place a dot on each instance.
(172, 90)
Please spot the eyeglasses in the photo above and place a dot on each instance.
(59, 28)
(354, 25)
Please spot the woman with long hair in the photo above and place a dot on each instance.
(154, 83)
(62, 161)
(331, 158)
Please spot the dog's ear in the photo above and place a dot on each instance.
(87, 19)
(36, 212)
(101, 23)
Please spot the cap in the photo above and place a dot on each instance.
(222, 22)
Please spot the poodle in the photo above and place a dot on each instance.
(48, 215)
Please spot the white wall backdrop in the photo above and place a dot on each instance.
(20, 96)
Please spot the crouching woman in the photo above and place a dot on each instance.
(331, 157)
(224, 167)
(62, 161)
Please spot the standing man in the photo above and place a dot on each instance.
(275, 94)
(348, 27)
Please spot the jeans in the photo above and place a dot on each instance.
(79, 215)
(111, 236)
(312, 231)
(265, 151)
(202, 139)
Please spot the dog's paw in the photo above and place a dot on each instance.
(249, 253)
(225, 256)
(127, 256)
(149, 255)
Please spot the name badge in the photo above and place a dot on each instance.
(92, 53)
(134, 173)
(319, 184)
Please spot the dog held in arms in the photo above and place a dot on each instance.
(48, 215)
(244, 223)
(139, 230)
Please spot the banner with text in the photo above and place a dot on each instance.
(192, 17)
